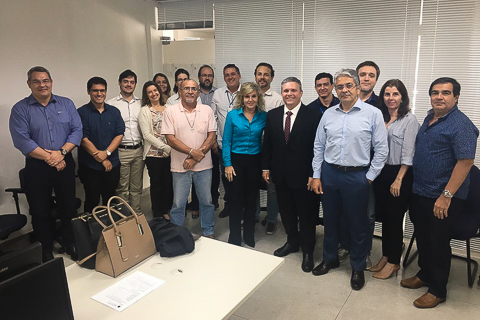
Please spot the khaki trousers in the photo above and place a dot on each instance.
(130, 184)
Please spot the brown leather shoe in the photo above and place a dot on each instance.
(413, 283)
(428, 300)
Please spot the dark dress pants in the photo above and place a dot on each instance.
(98, 183)
(40, 180)
(433, 242)
(193, 205)
(345, 193)
(392, 210)
(161, 184)
(297, 206)
(243, 191)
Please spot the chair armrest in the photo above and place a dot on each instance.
(15, 190)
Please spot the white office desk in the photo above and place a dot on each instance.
(215, 280)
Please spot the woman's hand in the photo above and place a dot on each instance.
(229, 173)
(395, 188)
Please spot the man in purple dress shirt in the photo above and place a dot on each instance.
(46, 128)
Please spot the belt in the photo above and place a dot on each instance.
(349, 169)
(130, 147)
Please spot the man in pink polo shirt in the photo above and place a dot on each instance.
(190, 129)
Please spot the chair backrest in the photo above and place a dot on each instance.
(466, 225)
(21, 177)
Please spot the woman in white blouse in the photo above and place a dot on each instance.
(393, 186)
(156, 150)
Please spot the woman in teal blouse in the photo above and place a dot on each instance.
(242, 147)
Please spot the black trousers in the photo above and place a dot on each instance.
(391, 210)
(215, 183)
(40, 180)
(98, 183)
(243, 191)
(161, 184)
(298, 206)
(433, 242)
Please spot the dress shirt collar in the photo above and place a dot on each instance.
(294, 110)
(358, 105)
(92, 106)
(211, 90)
(431, 111)
(183, 109)
(268, 93)
(227, 90)
(32, 100)
(120, 97)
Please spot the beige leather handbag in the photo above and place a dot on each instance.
(124, 243)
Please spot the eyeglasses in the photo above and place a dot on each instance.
(194, 89)
(349, 86)
(38, 82)
(207, 75)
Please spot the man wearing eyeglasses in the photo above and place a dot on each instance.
(46, 128)
(99, 163)
(190, 129)
(205, 78)
(222, 103)
(342, 171)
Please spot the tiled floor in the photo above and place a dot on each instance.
(292, 294)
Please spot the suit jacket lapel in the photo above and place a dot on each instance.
(279, 124)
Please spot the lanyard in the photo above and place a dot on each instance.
(232, 100)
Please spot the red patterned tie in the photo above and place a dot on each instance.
(286, 131)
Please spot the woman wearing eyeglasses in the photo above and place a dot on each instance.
(393, 186)
(162, 81)
(242, 146)
(156, 150)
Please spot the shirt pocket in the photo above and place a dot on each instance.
(63, 117)
(202, 127)
(397, 137)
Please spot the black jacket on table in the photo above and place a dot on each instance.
(290, 163)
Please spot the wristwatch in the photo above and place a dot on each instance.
(108, 153)
(447, 194)
(64, 152)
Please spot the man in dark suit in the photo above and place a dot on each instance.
(287, 160)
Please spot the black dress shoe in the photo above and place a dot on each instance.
(72, 251)
(324, 267)
(285, 250)
(358, 280)
(307, 263)
(47, 256)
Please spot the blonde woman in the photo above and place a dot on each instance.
(242, 146)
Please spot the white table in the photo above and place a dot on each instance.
(215, 280)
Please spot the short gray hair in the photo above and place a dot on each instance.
(37, 69)
(348, 73)
(292, 79)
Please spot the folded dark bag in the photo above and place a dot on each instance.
(87, 231)
(171, 240)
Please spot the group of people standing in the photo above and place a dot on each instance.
(362, 155)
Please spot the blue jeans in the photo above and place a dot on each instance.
(272, 204)
(182, 181)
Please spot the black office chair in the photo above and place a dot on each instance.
(465, 226)
(10, 223)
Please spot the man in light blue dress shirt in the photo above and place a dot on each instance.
(343, 173)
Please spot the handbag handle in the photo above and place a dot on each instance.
(98, 208)
(117, 232)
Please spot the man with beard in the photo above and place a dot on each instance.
(343, 172)
(205, 78)
(264, 75)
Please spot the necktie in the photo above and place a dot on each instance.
(286, 131)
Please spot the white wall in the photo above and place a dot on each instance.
(75, 40)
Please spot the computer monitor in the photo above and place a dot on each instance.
(38, 293)
(20, 260)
